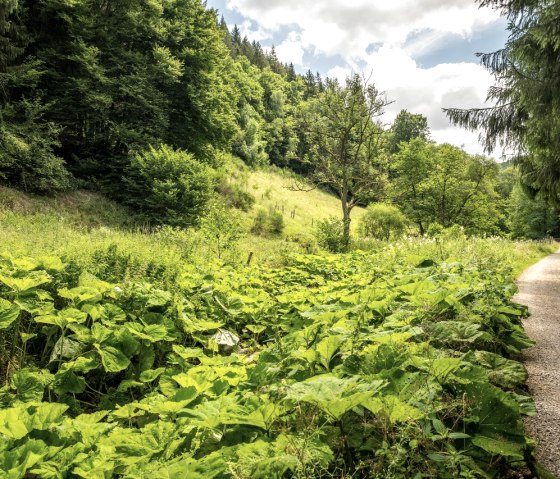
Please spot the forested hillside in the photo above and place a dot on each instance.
(143, 100)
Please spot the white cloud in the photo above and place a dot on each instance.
(291, 49)
(403, 29)
(247, 30)
(427, 90)
(347, 27)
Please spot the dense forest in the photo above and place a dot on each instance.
(145, 102)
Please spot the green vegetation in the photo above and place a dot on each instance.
(169, 308)
(371, 365)
(526, 98)
(382, 222)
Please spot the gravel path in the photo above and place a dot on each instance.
(539, 289)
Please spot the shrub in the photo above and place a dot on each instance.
(271, 222)
(222, 228)
(455, 233)
(236, 196)
(259, 223)
(169, 186)
(382, 221)
(435, 229)
(330, 235)
(275, 222)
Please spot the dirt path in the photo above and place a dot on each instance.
(539, 289)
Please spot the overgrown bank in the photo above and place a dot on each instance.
(399, 363)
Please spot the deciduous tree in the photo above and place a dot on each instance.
(348, 156)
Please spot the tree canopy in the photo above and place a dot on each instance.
(348, 142)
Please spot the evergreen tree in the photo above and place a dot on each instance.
(526, 115)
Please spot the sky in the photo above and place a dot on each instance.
(421, 53)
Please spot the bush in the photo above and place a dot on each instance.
(222, 228)
(168, 186)
(434, 230)
(236, 196)
(275, 222)
(271, 222)
(382, 221)
(330, 235)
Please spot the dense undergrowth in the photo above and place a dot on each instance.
(399, 363)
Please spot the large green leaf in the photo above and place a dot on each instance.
(9, 312)
(113, 359)
(333, 395)
(25, 283)
(501, 371)
(396, 410)
(327, 348)
(17, 422)
(500, 447)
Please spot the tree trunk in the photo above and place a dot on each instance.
(346, 225)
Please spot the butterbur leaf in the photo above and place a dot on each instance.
(29, 281)
(501, 371)
(333, 395)
(499, 447)
(151, 375)
(27, 337)
(327, 348)
(30, 385)
(441, 368)
(51, 263)
(263, 417)
(129, 384)
(223, 341)
(9, 312)
(16, 462)
(395, 409)
(66, 381)
(66, 348)
(12, 423)
(526, 404)
(81, 294)
(112, 358)
(17, 422)
(256, 328)
(88, 280)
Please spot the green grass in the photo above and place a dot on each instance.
(274, 190)
(83, 225)
(79, 223)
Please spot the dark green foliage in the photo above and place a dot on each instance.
(526, 94)
(27, 145)
(276, 223)
(168, 186)
(443, 184)
(111, 79)
(532, 218)
(236, 196)
(268, 222)
(406, 127)
(27, 141)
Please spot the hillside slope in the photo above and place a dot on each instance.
(81, 223)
